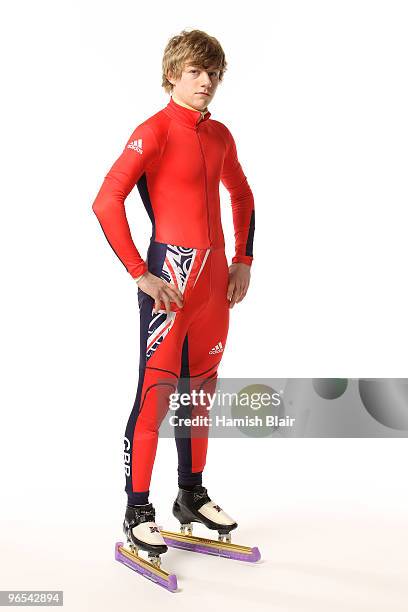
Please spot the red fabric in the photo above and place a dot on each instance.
(204, 321)
(184, 155)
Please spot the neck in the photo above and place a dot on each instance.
(187, 105)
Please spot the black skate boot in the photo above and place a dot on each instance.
(142, 532)
(197, 507)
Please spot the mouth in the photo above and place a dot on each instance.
(202, 93)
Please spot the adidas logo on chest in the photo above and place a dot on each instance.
(136, 145)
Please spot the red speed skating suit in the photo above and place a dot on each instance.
(177, 158)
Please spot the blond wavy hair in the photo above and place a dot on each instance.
(191, 47)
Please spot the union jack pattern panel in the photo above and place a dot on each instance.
(176, 270)
(177, 265)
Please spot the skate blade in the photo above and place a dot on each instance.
(211, 547)
(145, 568)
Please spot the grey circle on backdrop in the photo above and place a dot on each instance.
(386, 400)
(240, 411)
(330, 388)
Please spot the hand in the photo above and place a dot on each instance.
(239, 277)
(160, 290)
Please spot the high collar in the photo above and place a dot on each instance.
(188, 117)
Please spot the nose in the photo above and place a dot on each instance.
(205, 79)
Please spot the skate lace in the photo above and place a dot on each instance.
(201, 494)
(148, 515)
(144, 515)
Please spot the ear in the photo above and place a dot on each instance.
(170, 78)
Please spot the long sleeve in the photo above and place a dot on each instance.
(109, 206)
(242, 204)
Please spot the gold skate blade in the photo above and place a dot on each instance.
(207, 542)
(143, 563)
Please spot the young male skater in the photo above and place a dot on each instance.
(177, 158)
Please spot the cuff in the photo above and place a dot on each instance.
(245, 259)
(137, 271)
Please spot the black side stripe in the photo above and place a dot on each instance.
(145, 196)
(250, 239)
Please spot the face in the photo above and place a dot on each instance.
(196, 86)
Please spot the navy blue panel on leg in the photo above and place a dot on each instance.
(155, 258)
(183, 433)
(138, 499)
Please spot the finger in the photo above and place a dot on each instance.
(237, 292)
(174, 290)
(166, 301)
(157, 305)
(241, 297)
(233, 298)
(240, 291)
(175, 296)
(230, 289)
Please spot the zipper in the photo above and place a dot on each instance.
(205, 181)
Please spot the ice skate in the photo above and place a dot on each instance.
(142, 534)
(197, 507)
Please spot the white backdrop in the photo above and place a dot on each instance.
(315, 95)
